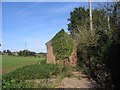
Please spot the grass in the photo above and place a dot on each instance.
(10, 63)
(20, 69)
(36, 71)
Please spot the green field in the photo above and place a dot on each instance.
(10, 63)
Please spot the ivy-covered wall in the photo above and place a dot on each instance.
(62, 45)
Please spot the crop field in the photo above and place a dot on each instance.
(10, 63)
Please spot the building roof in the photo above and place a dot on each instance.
(48, 42)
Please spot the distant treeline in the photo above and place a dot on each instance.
(26, 53)
(23, 53)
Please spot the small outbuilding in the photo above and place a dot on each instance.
(52, 59)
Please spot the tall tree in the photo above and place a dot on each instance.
(92, 47)
(76, 18)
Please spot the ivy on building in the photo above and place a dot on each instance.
(62, 45)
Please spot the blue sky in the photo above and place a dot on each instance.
(34, 23)
(118, 12)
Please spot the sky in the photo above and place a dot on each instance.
(118, 11)
(34, 23)
(58, 0)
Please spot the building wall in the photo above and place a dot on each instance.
(51, 57)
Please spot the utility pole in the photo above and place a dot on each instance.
(90, 9)
(108, 18)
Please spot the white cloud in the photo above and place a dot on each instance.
(23, 11)
(48, 11)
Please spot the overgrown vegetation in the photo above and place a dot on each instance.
(17, 78)
(97, 50)
(95, 47)
(62, 45)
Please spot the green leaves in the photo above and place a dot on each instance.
(93, 45)
(62, 45)
(16, 78)
(32, 72)
(77, 17)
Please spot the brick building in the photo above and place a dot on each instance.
(51, 58)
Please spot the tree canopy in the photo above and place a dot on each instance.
(95, 46)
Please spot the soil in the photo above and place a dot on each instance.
(77, 80)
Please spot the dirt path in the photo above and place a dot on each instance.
(78, 81)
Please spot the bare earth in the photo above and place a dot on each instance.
(79, 80)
